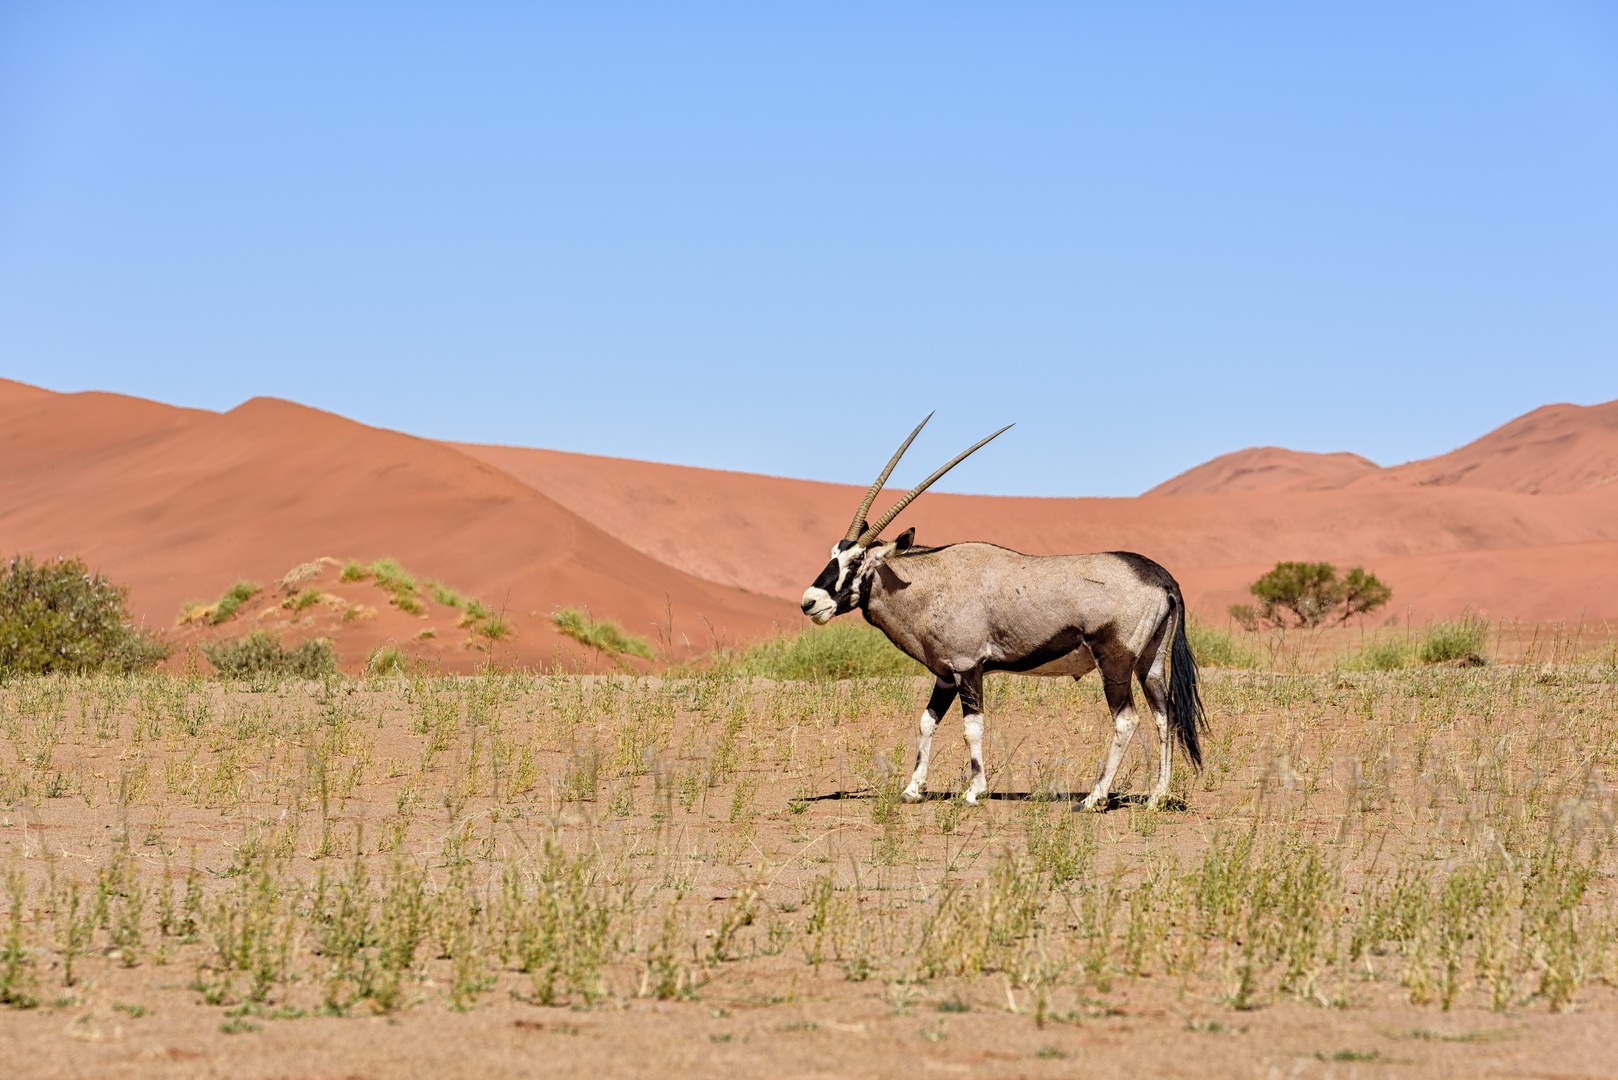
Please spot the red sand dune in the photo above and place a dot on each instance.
(179, 503)
(1267, 468)
(1528, 531)
(1554, 450)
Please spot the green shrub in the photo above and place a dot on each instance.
(354, 570)
(1218, 648)
(58, 617)
(1450, 642)
(603, 634)
(1309, 594)
(235, 596)
(259, 653)
(499, 627)
(843, 650)
(305, 599)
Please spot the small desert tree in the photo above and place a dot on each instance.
(56, 617)
(1308, 594)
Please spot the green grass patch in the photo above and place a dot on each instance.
(602, 634)
(843, 650)
(1212, 647)
(260, 653)
(354, 570)
(401, 584)
(387, 660)
(1450, 642)
(1381, 654)
(235, 596)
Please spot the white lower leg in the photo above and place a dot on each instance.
(1165, 761)
(1123, 726)
(974, 751)
(924, 751)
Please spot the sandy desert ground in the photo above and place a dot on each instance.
(1403, 874)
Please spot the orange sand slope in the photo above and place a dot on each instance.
(1522, 523)
(178, 503)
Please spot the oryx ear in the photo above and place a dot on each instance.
(906, 538)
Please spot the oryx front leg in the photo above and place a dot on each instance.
(972, 707)
(943, 696)
(1124, 720)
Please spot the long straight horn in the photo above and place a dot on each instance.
(858, 524)
(876, 529)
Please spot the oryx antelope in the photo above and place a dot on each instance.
(966, 609)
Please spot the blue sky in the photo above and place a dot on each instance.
(770, 237)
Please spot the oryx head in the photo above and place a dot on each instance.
(845, 583)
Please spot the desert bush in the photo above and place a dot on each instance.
(1307, 594)
(1213, 647)
(1448, 642)
(59, 617)
(602, 634)
(845, 650)
(235, 596)
(354, 570)
(259, 653)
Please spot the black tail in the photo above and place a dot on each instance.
(1187, 720)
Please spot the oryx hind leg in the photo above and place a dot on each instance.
(1116, 673)
(943, 697)
(1154, 683)
(972, 708)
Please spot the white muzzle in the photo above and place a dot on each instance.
(818, 605)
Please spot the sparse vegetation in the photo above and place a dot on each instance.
(260, 653)
(354, 570)
(1308, 594)
(60, 617)
(386, 660)
(1381, 654)
(603, 635)
(1440, 834)
(235, 596)
(842, 650)
(1212, 647)
(1460, 642)
(400, 585)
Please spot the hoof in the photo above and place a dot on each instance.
(970, 798)
(911, 794)
(1093, 805)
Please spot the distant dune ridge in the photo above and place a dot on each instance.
(178, 503)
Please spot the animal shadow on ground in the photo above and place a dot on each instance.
(1114, 801)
